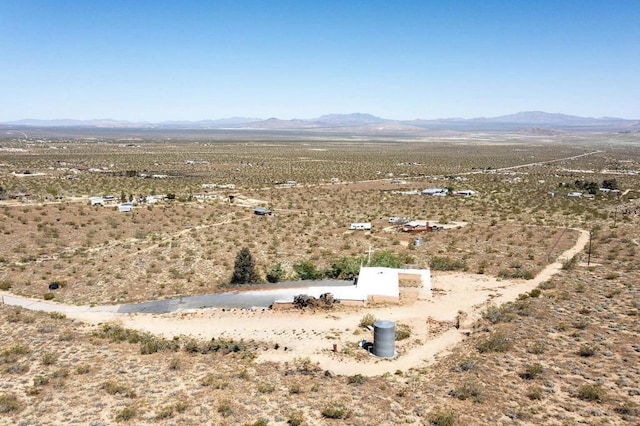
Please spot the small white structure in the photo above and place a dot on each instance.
(574, 194)
(125, 207)
(435, 191)
(465, 193)
(375, 283)
(96, 201)
(360, 226)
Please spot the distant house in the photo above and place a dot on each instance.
(435, 191)
(360, 226)
(397, 220)
(416, 226)
(574, 194)
(261, 211)
(96, 201)
(125, 207)
(465, 193)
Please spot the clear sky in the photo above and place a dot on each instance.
(159, 60)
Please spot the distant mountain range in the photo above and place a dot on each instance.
(363, 123)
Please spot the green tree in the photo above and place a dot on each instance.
(387, 259)
(306, 270)
(276, 273)
(244, 270)
(345, 268)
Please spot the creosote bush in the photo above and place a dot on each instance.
(335, 410)
(443, 418)
(591, 392)
(498, 341)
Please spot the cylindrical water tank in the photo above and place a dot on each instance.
(418, 242)
(384, 338)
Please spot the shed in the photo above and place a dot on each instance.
(261, 211)
(125, 207)
(360, 226)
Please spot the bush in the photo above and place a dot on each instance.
(306, 270)
(9, 402)
(126, 414)
(495, 314)
(588, 350)
(468, 390)
(367, 320)
(496, 342)
(443, 263)
(443, 418)
(403, 331)
(115, 388)
(296, 419)
(532, 371)
(535, 393)
(5, 285)
(335, 410)
(225, 409)
(48, 296)
(591, 392)
(276, 273)
(357, 379)
(244, 268)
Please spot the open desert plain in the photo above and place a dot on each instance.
(531, 318)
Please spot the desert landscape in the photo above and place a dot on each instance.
(531, 317)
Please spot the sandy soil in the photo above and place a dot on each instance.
(432, 317)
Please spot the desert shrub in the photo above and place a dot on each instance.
(9, 403)
(40, 380)
(265, 387)
(496, 342)
(516, 273)
(57, 315)
(468, 390)
(536, 292)
(532, 371)
(496, 314)
(115, 388)
(535, 393)
(443, 418)
(591, 392)
(570, 264)
(335, 410)
(48, 296)
(403, 331)
(305, 365)
(225, 409)
(175, 364)
(126, 414)
(587, 350)
(444, 263)
(345, 268)
(5, 285)
(295, 419)
(49, 358)
(260, 422)
(214, 382)
(367, 320)
(469, 364)
(357, 379)
(83, 369)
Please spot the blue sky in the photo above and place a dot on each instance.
(157, 60)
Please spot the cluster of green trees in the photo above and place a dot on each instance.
(344, 268)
